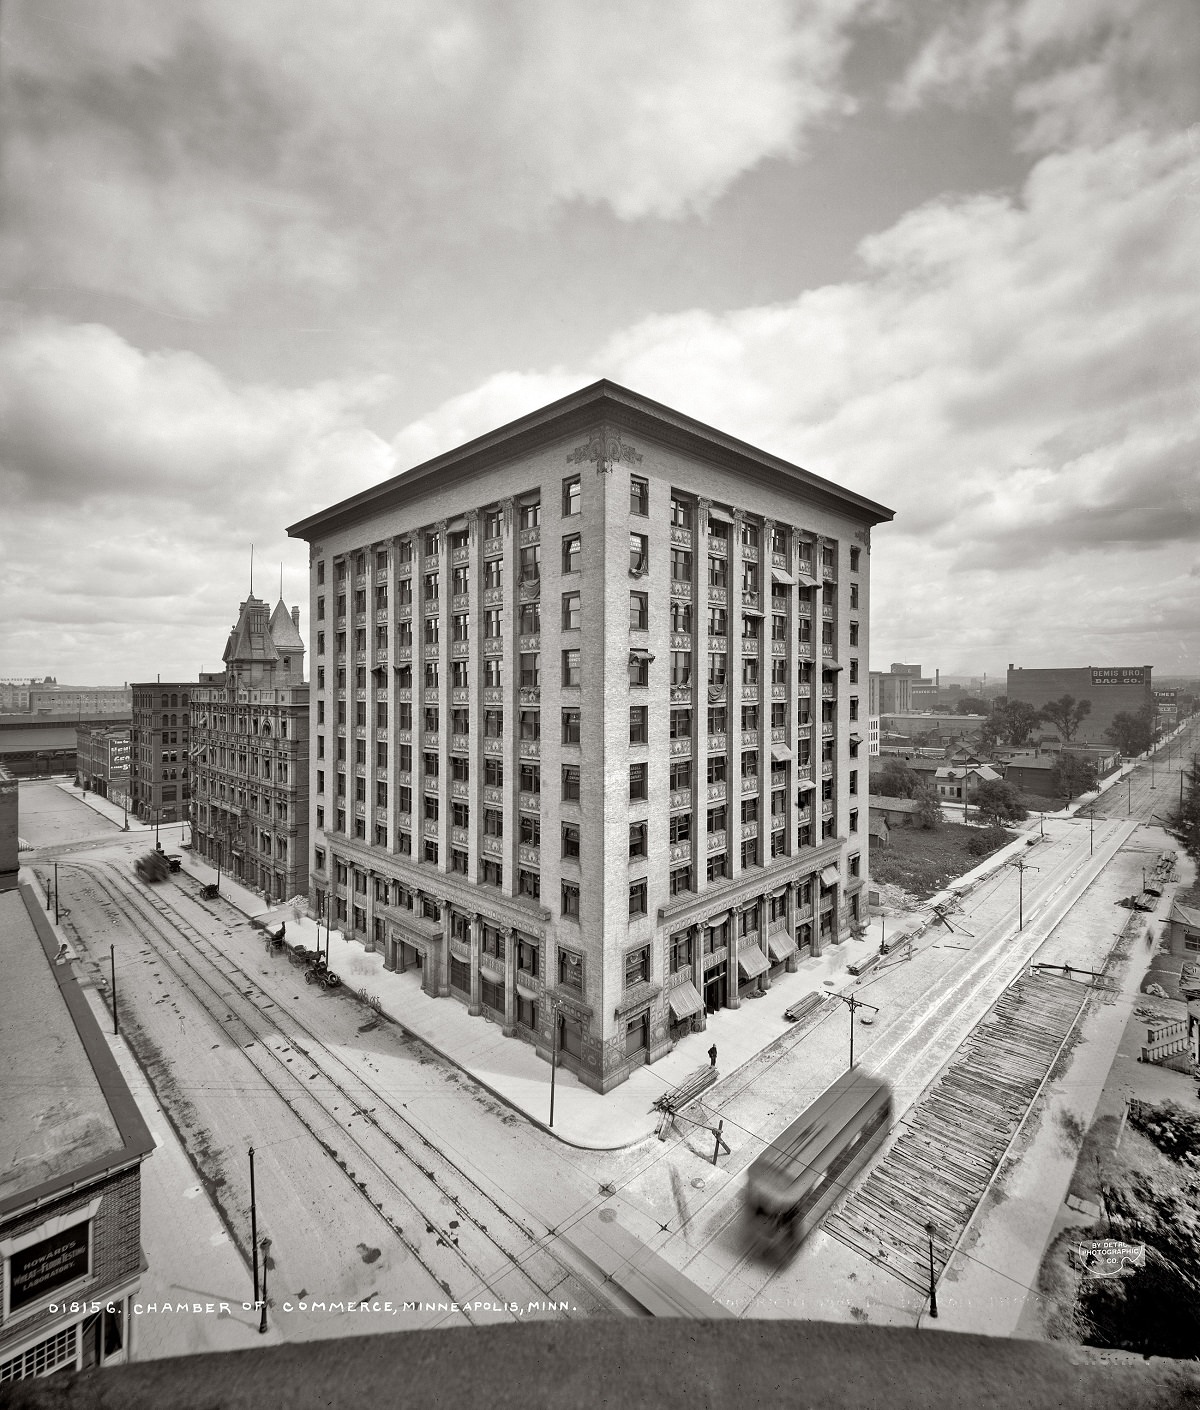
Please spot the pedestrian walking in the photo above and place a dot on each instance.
(712, 1056)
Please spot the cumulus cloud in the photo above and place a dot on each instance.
(178, 154)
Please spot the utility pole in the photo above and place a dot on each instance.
(112, 961)
(1022, 866)
(931, 1229)
(253, 1225)
(1129, 793)
(854, 1005)
(1091, 828)
(262, 1320)
(55, 893)
(555, 1019)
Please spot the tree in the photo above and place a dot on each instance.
(1071, 775)
(972, 705)
(896, 780)
(1066, 714)
(1129, 732)
(998, 801)
(929, 811)
(1183, 823)
(1016, 721)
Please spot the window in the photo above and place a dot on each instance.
(570, 904)
(779, 715)
(492, 569)
(530, 724)
(716, 818)
(681, 565)
(716, 768)
(433, 543)
(460, 768)
(750, 670)
(680, 827)
(854, 554)
(571, 495)
(431, 807)
(493, 822)
(571, 667)
(530, 668)
(681, 775)
(751, 628)
(460, 626)
(493, 772)
(529, 883)
(531, 563)
(854, 597)
(570, 726)
(572, 553)
(320, 643)
(681, 879)
(718, 574)
(681, 724)
(639, 668)
(527, 957)
(404, 594)
(639, 727)
(321, 571)
(718, 621)
(718, 866)
(853, 633)
(431, 631)
(639, 495)
(431, 674)
(404, 801)
(570, 783)
(638, 839)
(432, 719)
(749, 853)
(570, 839)
(718, 663)
(381, 794)
(491, 873)
(681, 668)
(458, 861)
(749, 719)
(749, 810)
(493, 523)
(493, 724)
(639, 611)
(854, 707)
(639, 554)
(681, 512)
(571, 612)
(530, 516)
(491, 671)
(853, 781)
(491, 623)
(432, 589)
(681, 616)
(531, 778)
(749, 577)
(638, 782)
(431, 765)
(855, 865)
(853, 819)
(638, 906)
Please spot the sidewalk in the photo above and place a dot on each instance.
(511, 1070)
(169, 833)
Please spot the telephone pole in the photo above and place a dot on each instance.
(854, 1005)
(1022, 866)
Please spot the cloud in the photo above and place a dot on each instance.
(176, 155)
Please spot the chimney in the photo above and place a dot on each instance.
(937, 677)
(1010, 665)
(296, 617)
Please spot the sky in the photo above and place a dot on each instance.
(258, 257)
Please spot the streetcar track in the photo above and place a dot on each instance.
(445, 1236)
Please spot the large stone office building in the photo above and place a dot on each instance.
(589, 723)
(158, 751)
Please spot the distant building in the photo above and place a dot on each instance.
(250, 749)
(80, 700)
(159, 750)
(960, 782)
(898, 668)
(890, 694)
(1183, 929)
(34, 746)
(72, 1142)
(895, 812)
(945, 728)
(1112, 690)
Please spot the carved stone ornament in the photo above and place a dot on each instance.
(864, 537)
(506, 506)
(604, 448)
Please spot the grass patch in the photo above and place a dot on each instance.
(923, 861)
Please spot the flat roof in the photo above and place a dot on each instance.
(30, 737)
(66, 1113)
(601, 401)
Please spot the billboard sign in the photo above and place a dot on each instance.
(1166, 697)
(49, 1264)
(1120, 675)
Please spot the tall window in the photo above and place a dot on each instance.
(639, 553)
(681, 565)
(531, 515)
(639, 611)
(572, 553)
(570, 726)
(639, 783)
(639, 495)
(570, 783)
(571, 496)
(681, 513)
(571, 611)
(639, 728)
(571, 667)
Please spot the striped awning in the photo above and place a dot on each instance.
(752, 962)
(780, 751)
(781, 575)
(719, 515)
(806, 785)
(781, 945)
(830, 876)
(805, 579)
(685, 1000)
(829, 664)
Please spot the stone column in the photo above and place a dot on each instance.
(764, 979)
(698, 973)
(443, 979)
(369, 943)
(818, 946)
(475, 1007)
(793, 960)
(734, 999)
(510, 984)
(390, 946)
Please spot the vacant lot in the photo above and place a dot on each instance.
(922, 862)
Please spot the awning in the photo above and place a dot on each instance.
(806, 785)
(752, 962)
(715, 693)
(717, 919)
(453, 526)
(685, 1000)
(781, 945)
(805, 579)
(830, 876)
(719, 515)
(751, 611)
(639, 653)
(781, 575)
(855, 738)
(780, 751)
(829, 664)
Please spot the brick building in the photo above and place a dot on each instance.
(71, 1146)
(250, 754)
(158, 752)
(588, 706)
(78, 701)
(10, 802)
(1111, 690)
(102, 759)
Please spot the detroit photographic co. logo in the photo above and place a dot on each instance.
(1103, 1258)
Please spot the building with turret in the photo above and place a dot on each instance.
(249, 732)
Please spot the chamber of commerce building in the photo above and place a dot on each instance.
(589, 723)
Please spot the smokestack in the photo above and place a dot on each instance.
(1010, 665)
(937, 677)
(296, 617)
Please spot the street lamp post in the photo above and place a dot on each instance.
(931, 1229)
(253, 1225)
